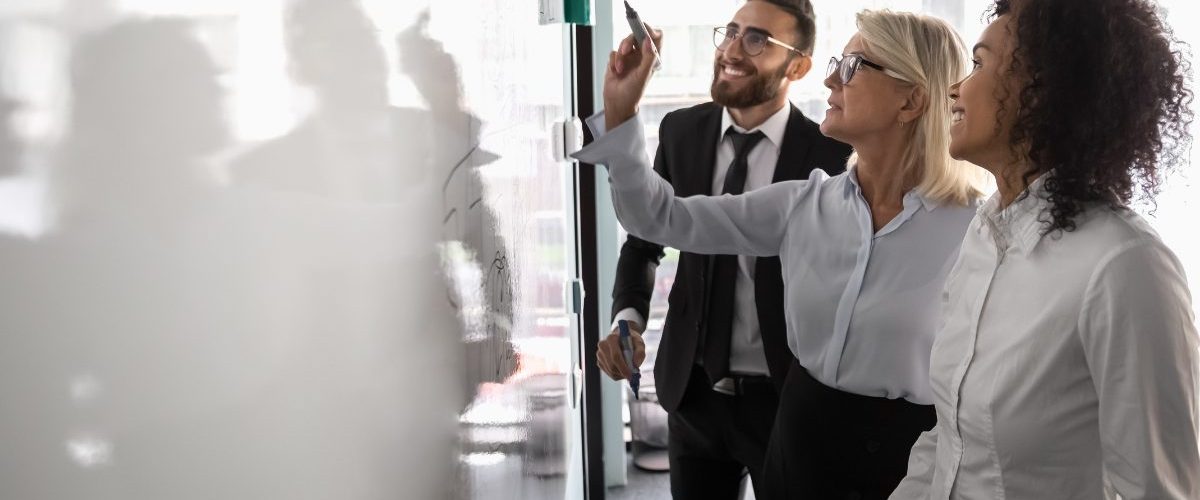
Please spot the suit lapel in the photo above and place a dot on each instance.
(793, 153)
(703, 153)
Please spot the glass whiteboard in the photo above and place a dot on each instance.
(284, 249)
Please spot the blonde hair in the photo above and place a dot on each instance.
(929, 54)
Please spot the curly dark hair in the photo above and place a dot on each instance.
(1105, 104)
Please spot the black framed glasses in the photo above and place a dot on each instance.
(846, 66)
(754, 42)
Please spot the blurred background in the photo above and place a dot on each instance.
(314, 249)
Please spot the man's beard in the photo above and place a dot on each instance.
(761, 88)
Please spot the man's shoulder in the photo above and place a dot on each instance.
(823, 151)
(800, 124)
(692, 116)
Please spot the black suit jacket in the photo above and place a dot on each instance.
(686, 155)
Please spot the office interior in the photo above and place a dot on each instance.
(314, 249)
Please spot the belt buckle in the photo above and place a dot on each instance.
(727, 386)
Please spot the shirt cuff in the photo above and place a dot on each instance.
(632, 316)
(595, 123)
(622, 150)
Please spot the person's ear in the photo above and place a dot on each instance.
(915, 102)
(798, 67)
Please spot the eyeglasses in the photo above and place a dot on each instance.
(847, 66)
(754, 42)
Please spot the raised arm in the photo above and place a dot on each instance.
(751, 224)
(748, 224)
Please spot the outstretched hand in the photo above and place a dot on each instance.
(629, 68)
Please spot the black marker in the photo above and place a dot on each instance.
(640, 33)
(627, 351)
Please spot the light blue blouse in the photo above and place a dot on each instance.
(862, 306)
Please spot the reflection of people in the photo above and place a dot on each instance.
(353, 145)
(172, 340)
(125, 278)
(468, 221)
(356, 156)
(722, 360)
(1066, 364)
(148, 164)
(864, 253)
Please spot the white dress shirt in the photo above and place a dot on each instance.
(745, 345)
(862, 305)
(1065, 367)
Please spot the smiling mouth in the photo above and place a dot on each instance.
(732, 72)
(957, 116)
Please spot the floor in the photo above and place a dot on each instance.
(642, 485)
(650, 486)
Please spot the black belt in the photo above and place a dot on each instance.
(743, 385)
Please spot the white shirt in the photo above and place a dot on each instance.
(745, 346)
(1065, 367)
(862, 305)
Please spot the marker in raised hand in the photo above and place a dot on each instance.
(640, 33)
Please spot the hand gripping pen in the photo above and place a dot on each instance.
(627, 350)
(640, 33)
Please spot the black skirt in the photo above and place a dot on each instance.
(831, 445)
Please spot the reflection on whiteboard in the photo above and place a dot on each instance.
(234, 264)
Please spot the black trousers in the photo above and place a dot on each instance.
(832, 445)
(715, 438)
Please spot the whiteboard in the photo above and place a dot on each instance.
(283, 249)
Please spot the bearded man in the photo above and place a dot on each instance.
(723, 355)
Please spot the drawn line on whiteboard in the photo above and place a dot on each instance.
(450, 176)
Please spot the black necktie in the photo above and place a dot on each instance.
(724, 270)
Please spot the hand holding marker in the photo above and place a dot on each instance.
(627, 349)
(640, 33)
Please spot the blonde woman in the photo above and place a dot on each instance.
(864, 254)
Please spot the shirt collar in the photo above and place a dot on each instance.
(1018, 225)
(773, 128)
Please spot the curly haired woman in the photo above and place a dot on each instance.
(1065, 366)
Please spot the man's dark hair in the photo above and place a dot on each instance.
(806, 22)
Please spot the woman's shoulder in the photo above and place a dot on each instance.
(1109, 239)
(818, 190)
(966, 210)
(1104, 226)
(1125, 252)
(820, 180)
(821, 188)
